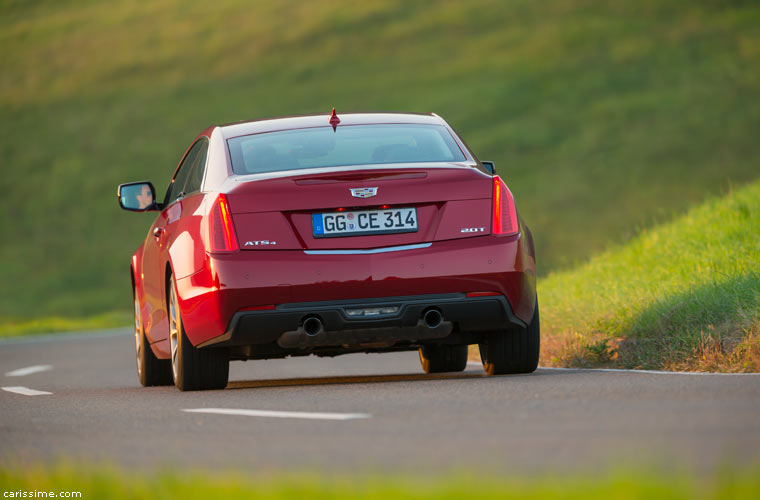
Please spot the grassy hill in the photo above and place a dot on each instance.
(682, 296)
(618, 482)
(604, 117)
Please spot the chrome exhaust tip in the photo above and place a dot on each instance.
(312, 326)
(432, 318)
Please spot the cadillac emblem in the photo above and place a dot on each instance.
(364, 192)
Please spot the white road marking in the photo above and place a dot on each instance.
(281, 414)
(29, 370)
(621, 370)
(17, 389)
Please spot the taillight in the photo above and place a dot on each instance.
(269, 307)
(504, 211)
(221, 231)
(482, 294)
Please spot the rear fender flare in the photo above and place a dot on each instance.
(181, 253)
(135, 274)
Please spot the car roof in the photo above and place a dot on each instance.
(322, 120)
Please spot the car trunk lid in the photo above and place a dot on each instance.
(276, 211)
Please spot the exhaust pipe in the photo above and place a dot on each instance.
(432, 318)
(312, 326)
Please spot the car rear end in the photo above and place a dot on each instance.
(372, 235)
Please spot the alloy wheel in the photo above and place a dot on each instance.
(138, 335)
(174, 328)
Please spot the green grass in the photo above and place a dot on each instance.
(604, 117)
(684, 295)
(100, 482)
(48, 324)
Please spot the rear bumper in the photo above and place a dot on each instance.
(297, 283)
(284, 325)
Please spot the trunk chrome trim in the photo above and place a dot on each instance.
(370, 251)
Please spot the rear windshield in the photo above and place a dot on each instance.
(348, 145)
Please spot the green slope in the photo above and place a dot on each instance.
(623, 483)
(603, 117)
(685, 295)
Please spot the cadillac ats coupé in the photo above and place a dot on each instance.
(326, 235)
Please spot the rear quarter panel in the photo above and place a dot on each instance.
(187, 242)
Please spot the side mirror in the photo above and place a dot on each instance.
(137, 196)
(489, 166)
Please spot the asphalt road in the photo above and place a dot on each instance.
(366, 412)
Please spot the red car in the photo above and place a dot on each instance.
(327, 235)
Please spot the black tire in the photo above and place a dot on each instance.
(151, 371)
(193, 369)
(440, 358)
(512, 351)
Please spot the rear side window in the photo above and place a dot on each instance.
(195, 178)
(178, 187)
(348, 145)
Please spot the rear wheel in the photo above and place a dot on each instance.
(150, 370)
(193, 369)
(512, 351)
(439, 358)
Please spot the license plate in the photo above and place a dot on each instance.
(363, 222)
